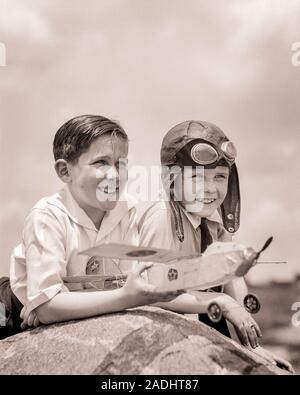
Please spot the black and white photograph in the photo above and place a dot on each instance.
(150, 190)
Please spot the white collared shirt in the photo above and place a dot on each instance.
(55, 231)
(157, 229)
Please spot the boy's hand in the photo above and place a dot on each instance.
(274, 359)
(139, 293)
(245, 326)
(29, 319)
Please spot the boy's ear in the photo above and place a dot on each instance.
(62, 170)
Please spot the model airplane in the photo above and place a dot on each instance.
(174, 270)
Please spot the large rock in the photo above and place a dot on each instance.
(138, 341)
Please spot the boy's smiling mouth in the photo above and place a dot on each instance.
(206, 200)
(109, 190)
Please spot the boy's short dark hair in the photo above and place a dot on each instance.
(74, 137)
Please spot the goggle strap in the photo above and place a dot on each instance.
(178, 220)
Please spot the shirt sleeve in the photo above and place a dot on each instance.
(131, 235)
(128, 234)
(155, 229)
(45, 251)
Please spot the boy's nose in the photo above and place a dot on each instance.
(209, 187)
(112, 173)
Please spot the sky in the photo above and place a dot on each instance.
(150, 65)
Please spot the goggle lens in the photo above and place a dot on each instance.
(204, 154)
(229, 150)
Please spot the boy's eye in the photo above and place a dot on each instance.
(100, 162)
(122, 163)
(197, 176)
(221, 176)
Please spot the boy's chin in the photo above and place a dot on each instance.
(107, 202)
(108, 205)
(200, 209)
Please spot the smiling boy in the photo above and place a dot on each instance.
(201, 205)
(90, 154)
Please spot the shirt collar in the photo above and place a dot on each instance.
(66, 202)
(195, 219)
(113, 217)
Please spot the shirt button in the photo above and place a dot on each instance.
(231, 229)
(230, 216)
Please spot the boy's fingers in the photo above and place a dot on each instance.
(252, 336)
(36, 321)
(242, 335)
(30, 319)
(23, 325)
(290, 367)
(257, 328)
(25, 317)
(140, 268)
(22, 312)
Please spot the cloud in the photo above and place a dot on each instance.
(21, 21)
(267, 216)
(257, 18)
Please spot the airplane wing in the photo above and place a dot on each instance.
(173, 270)
(130, 252)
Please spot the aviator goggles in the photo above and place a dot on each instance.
(206, 154)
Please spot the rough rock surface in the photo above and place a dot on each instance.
(139, 341)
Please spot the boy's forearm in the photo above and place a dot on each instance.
(67, 306)
(237, 289)
(190, 304)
